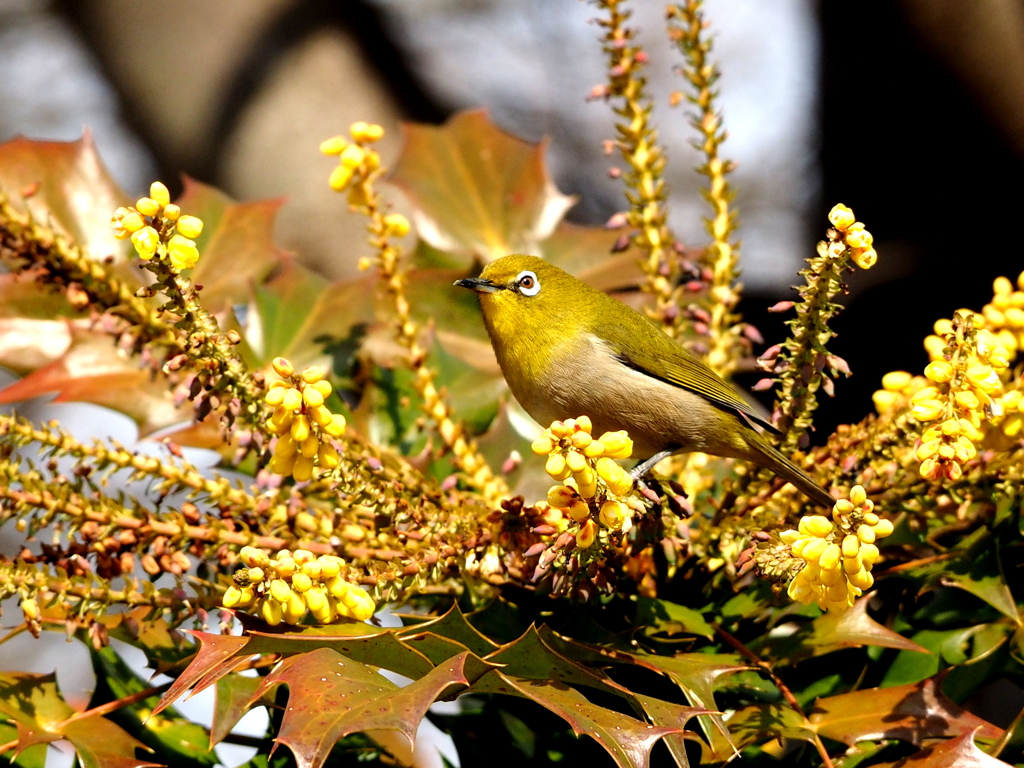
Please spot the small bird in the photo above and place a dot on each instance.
(567, 350)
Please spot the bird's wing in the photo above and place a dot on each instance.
(660, 357)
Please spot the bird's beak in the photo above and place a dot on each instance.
(478, 284)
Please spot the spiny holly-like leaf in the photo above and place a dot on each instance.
(91, 371)
(667, 714)
(451, 625)
(215, 651)
(665, 617)
(958, 752)
(69, 187)
(31, 757)
(236, 246)
(587, 253)
(103, 744)
(165, 647)
(330, 696)
(757, 723)
(529, 657)
(234, 698)
(834, 630)
(979, 571)
(355, 640)
(477, 190)
(627, 740)
(695, 674)
(906, 712)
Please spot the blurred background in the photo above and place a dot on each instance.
(909, 111)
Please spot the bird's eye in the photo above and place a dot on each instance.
(528, 283)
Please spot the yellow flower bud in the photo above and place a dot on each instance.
(340, 178)
(883, 528)
(146, 241)
(857, 236)
(159, 193)
(147, 206)
(574, 461)
(789, 537)
(336, 427)
(587, 535)
(327, 456)
(352, 156)
(172, 212)
(841, 217)
(300, 428)
(283, 367)
(286, 447)
(366, 132)
(617, 445)
(896, 381)
(928, 449)
(815, 525)
(851, 545)
(329, 566)
(586, 482)
(333, 145)
(862, 579)
(274, 397)
(132, 222)
(189, 226)
(613, 514)
(579, 510)
(253, 557)
(303, 469)
(323, 387)
(309, 446)
(182, 252)
(294, 609)
(270, 611)
(939, 371)
(542, 446)
(967, 400)
(858, 495)
(865, 258)
(301, 582)
(928, 410)
(312, 397)
(561, 496)
(829, 559)
(866, 534)
(813, 549)
(232, 597)
(396, 224)
(280, 420)
(555, 466)
(581, 440)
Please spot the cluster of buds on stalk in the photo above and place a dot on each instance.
(291, 585)
(304, 425)
(158, 228)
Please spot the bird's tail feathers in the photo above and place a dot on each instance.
(786, 469)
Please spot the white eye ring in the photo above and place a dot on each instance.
(527, 283)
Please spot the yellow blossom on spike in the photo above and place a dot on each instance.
(841, 217)
(159, 193)
(146, 241)
(147, 206)
(366, 132)
(333, 145)
(189, 226)
(182, 252)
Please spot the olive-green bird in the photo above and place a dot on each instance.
(567, 350)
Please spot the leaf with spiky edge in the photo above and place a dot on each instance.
(906, 712)
(629, 741)
(215, 651)
(668, 714)
(452, 624)
(234, 697)
(330, 696)
(477, 190)
(529, 657)
(695, 674)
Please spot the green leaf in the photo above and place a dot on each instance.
(668, 618)
(453, 626)
(34, 702)
(235, 696)
(330, 696)
(627, 740)
(757, 723)
(102, 744)
(907, 712)
(476, 190)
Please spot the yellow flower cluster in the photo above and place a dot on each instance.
(962, 398)
(854, 236)
(838, 554)
(897, 389)
(590, 479)
(1004, 315)
(303, 424)
(157, 227)
(356, 161)
(293, 584)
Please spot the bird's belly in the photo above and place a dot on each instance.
(658, 416)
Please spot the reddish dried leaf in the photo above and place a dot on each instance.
(906, 712)
(236, 247)
(73, 189)
(215, 651)
(330, 697)
(478, 190)
(92, 371)
(958, 752)
(627, 740)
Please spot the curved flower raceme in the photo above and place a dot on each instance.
(158, 229)
(293, 584)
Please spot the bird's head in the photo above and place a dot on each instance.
(525, 288)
